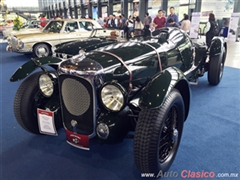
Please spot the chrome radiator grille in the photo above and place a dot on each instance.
(77, 103)
(74, 93)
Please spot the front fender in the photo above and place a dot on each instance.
(49, 43)
(217, 45)
(27, 68)
(157, 90)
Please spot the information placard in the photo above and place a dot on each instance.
(195, 25)
(46, 122)
(233, 27)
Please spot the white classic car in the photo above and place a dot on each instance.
(55, 32)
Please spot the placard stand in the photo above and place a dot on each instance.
(195, 21)
(233, 27)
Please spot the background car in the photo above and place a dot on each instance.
(55, 32)
(140, 86)
(30, 27)
(95, 40)
(5, 25)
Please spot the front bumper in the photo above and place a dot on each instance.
(22, 51)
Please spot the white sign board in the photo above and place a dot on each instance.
(233, 27)
(46, 122)
(195, 25)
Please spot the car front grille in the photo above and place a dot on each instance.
(77, 104)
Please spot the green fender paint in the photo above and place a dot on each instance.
(27, 68)
(158, 88)
(216, 47)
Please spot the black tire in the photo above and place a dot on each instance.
(216, 67)
(25, 109)
(39, 50)
(152, 125)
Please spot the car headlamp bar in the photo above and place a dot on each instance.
(159, 59)
(123, 63)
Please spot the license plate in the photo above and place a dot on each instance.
(46, 122)
(77, 140)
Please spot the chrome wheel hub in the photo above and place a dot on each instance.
(41, 52)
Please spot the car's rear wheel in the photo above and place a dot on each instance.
(27, 99)
(216, 67)
(158, 134)
(42, 50)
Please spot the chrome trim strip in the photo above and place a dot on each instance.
(190, 70)
(79, 147)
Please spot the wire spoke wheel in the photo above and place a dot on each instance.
(168, 135)
(158, 135)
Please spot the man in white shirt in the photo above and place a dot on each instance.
(115, 21)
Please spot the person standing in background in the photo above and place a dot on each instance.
(186, 24)
(209, 29)
(124, 23)
(115, 21)
(147, 21)
(130, 24)
(159, 21)
(43, 22)
(110, 22)
(100, 21)
(120, 23)
(138, 27)
(180, 22)
(173, 16)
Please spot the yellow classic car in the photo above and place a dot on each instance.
(55, 32)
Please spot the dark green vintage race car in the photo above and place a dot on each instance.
(133, 86)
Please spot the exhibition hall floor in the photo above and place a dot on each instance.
(210, 141)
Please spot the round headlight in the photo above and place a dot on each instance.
(46, 85)
(20, 44)
(112, 97)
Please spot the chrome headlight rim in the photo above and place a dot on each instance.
(20, 44)
(121, 90)
(46, 85)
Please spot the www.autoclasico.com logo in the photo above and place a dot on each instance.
(188, 174)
